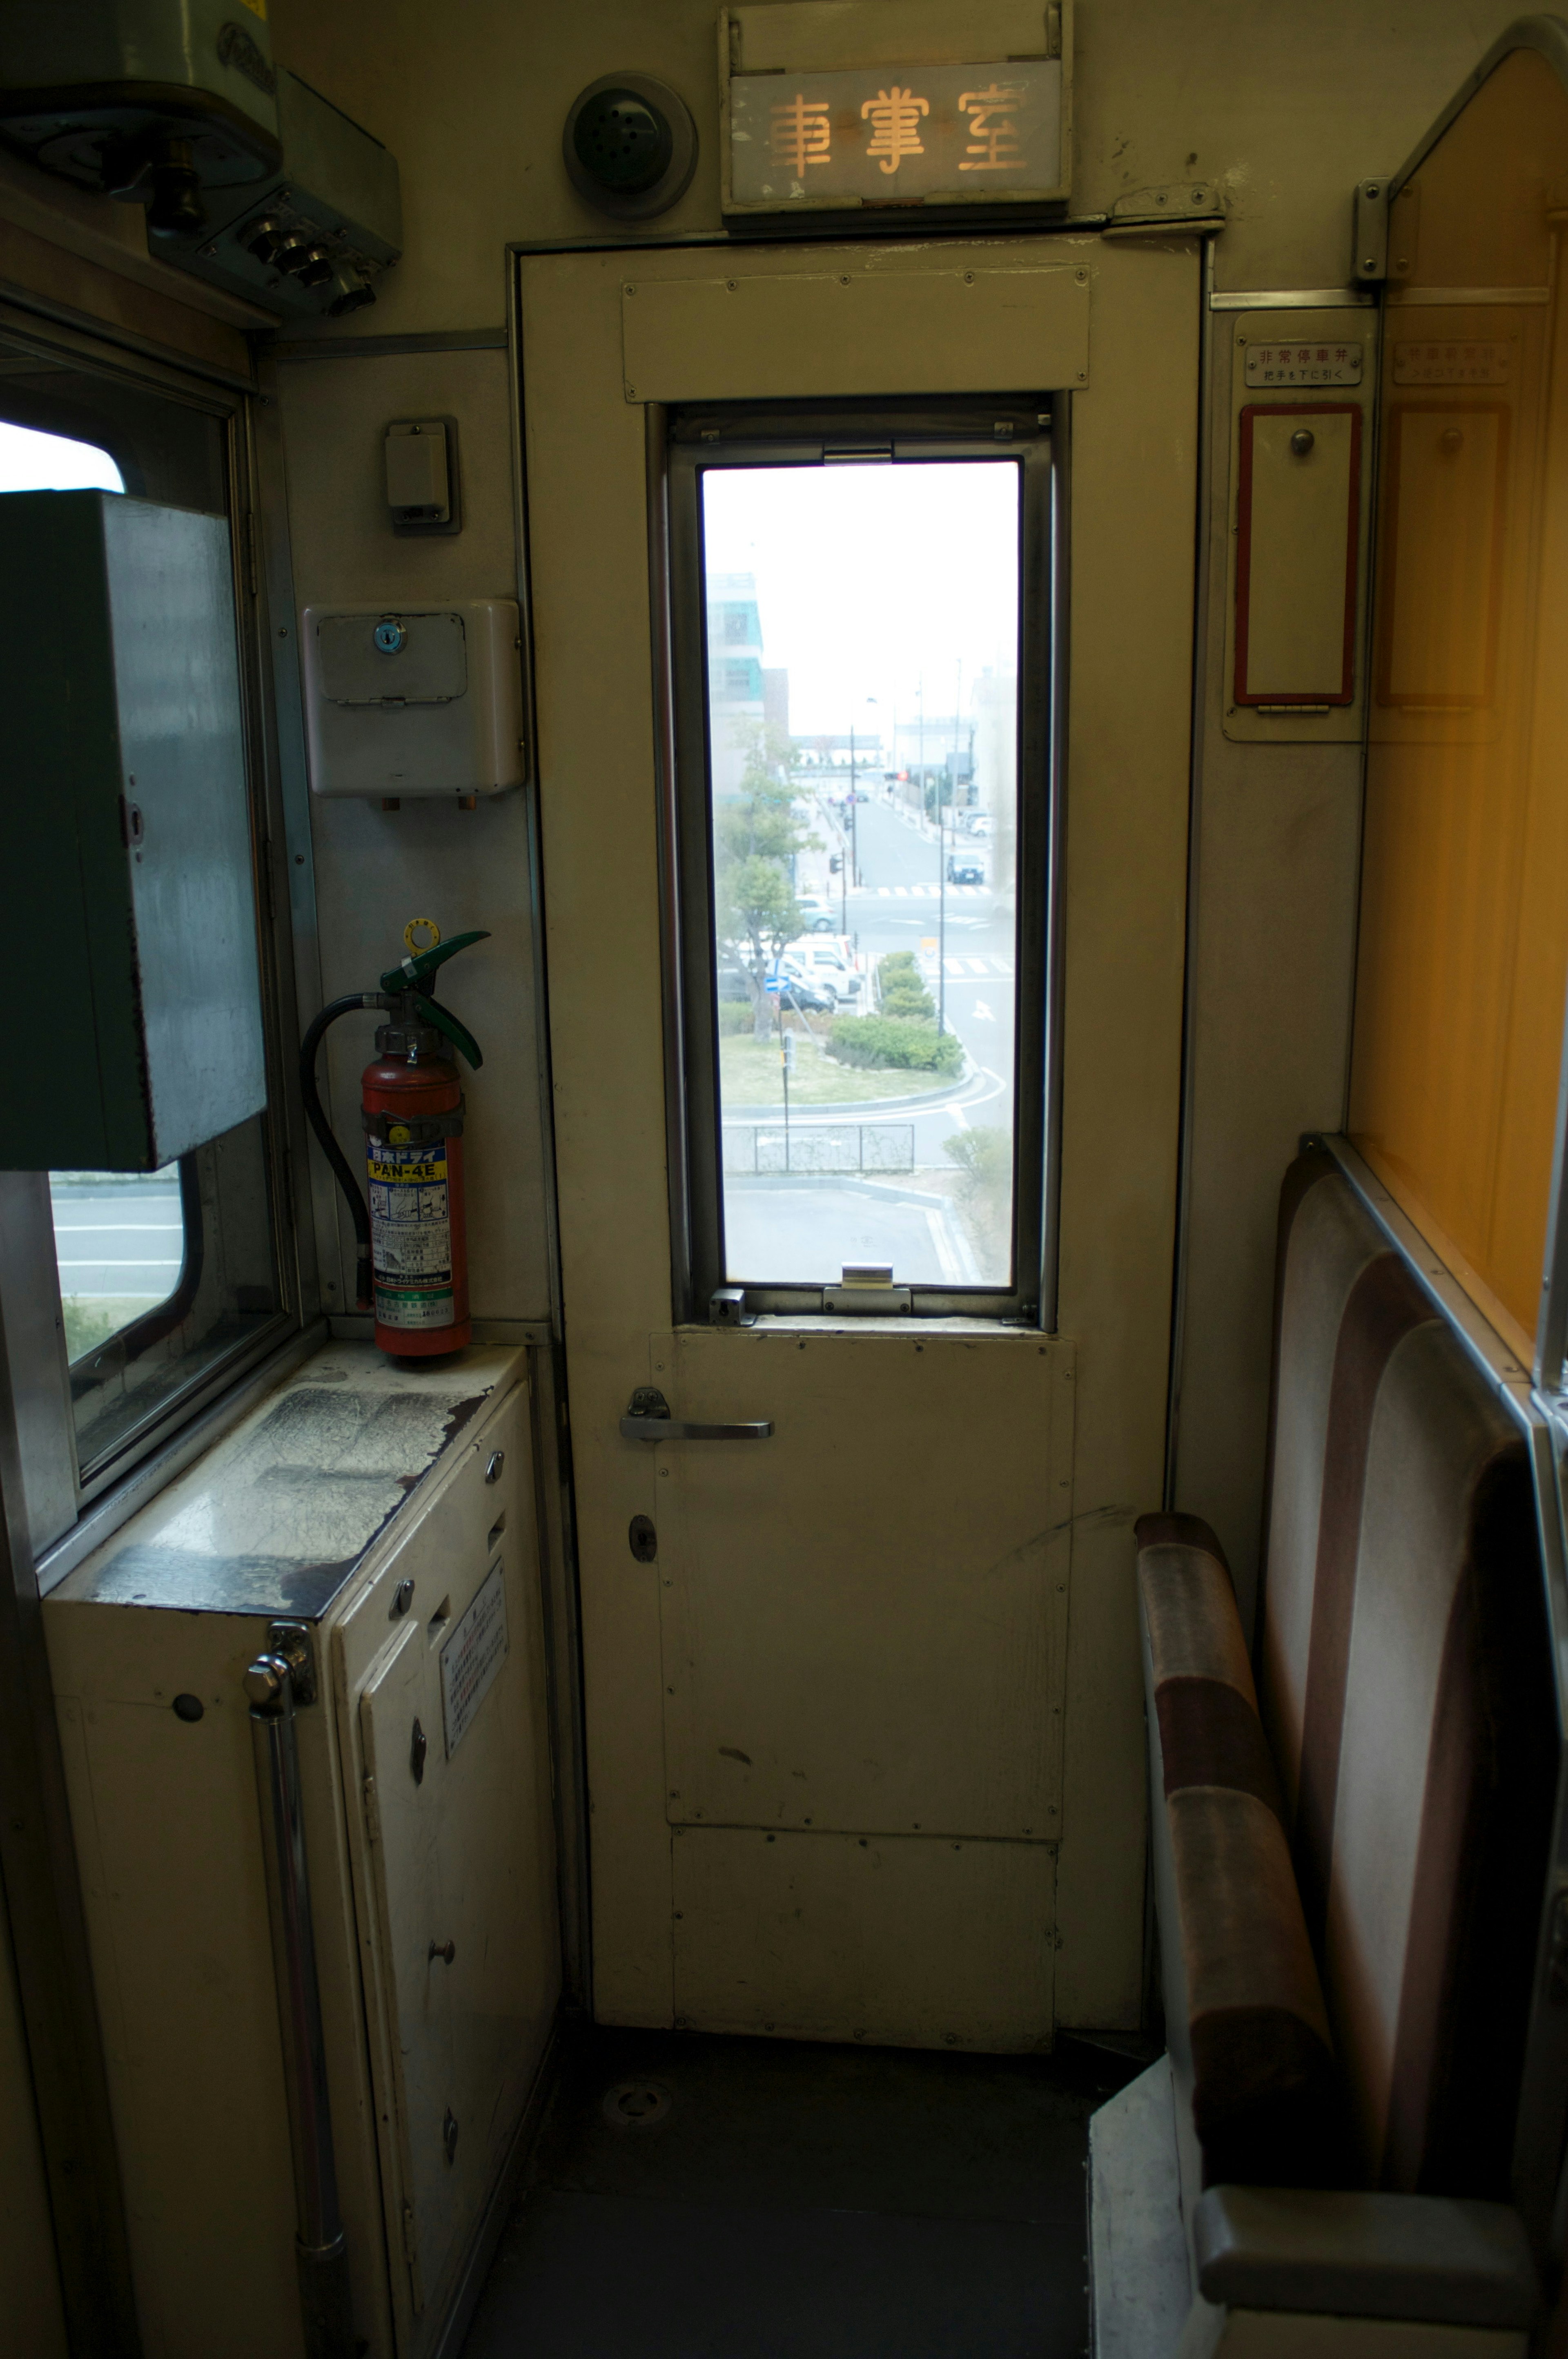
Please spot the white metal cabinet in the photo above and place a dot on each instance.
(354, 1476)
(452, 1849)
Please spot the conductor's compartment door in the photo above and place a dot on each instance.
(833, 984)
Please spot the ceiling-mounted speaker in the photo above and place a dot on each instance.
(630, 145)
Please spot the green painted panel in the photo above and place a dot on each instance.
(122, 788)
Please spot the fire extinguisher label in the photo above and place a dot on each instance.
(411, 1236)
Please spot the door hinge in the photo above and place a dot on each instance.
(1369, 263)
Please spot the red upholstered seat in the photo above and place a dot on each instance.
(1407, 1698)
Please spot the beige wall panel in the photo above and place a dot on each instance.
(588, 546)
(33, 265)
(1134, 488)
(375, 869)
(843, 1936)
(143, 1931)
(840, 1652)
(852, 331)
(29, 2280)
(1285, 108)
(1276, 859)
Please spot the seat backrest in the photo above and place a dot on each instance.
(1404, 1678)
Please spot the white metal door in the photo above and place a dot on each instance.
(868, 1609)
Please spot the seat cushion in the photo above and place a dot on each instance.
(1407, 1691)
(1254, 2041)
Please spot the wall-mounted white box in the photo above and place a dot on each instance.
(415, 701)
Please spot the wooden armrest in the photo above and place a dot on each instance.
(1428, 2258)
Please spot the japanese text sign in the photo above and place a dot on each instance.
(896, 134)
(1314, 359)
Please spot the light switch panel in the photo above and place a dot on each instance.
(422, 475)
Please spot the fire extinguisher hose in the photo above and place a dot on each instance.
(353, 1195)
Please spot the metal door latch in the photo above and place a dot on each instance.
(292, 1640)
(648, 1418)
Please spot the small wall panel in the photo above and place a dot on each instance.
(1300, 520)
(902, 1942)
(1296, 566)
(775, 338)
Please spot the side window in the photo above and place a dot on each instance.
(864, 861)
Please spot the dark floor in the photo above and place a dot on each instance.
(694, 2198)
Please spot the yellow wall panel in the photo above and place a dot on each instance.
(1464, 949)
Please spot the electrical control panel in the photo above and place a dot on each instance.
(314, 236)
(414, 702)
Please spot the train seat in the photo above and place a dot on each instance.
(1349, 1857)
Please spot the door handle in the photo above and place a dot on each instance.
(648, 1420)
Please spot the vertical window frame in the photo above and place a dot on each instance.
(686, 443)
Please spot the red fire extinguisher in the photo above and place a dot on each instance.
(411, 1241)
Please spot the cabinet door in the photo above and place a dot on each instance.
(460, 1858)
(400, 1718)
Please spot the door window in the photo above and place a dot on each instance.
(862, 785)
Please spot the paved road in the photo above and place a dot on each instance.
(966, 946)
(119, 1237)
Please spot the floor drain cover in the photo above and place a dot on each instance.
(636, 2105)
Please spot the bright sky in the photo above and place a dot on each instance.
(30, 461)
(870, 579)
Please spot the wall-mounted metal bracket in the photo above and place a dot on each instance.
(1197, 204)
(295, 1642)
(1369, 261)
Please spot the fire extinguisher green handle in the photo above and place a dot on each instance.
(445, 1022)
(422, 964)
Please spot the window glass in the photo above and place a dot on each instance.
(31, 462)
(863, 773)
(162, 1275)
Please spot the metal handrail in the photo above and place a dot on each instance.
(320, 2250)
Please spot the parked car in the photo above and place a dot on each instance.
(826, 964)
(812, 999)
(817, 917)
(966, 868)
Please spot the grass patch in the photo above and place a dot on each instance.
(90, 1320)
(749, 1075)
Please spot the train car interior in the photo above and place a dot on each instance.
(789, 780)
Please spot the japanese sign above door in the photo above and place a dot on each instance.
(984, 133)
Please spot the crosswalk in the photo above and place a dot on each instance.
(920, 892)
(965, 966)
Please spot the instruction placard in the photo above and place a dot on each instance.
(472, 1657)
